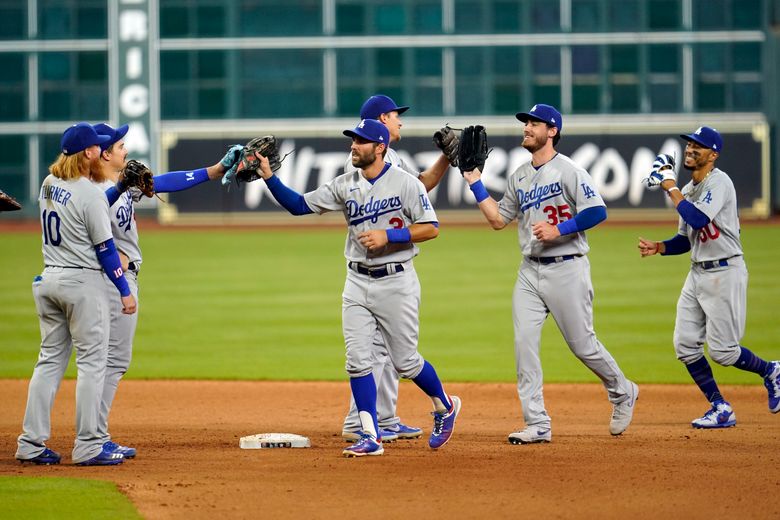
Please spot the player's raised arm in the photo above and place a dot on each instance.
(487, 204)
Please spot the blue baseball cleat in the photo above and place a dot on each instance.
(402, 431)
(46, 458)
(444, 424)
(367, 445)
(719, 416)
(384, 435)
(104, 458)
(127, 451)
(772, 384)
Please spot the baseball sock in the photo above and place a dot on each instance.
(364, 393)
(430, 383)
(701, 372)
(752, 363)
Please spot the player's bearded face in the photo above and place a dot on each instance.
(363, 154)
(534, 136)
(696, 156)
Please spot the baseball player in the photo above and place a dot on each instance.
(383, 109)
(113, 156)
(72, 300)
(387, 212)
(554, 201)
(713, 301)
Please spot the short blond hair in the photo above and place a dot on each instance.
(69, 167)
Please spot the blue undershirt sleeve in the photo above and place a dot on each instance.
(112, 194)
(290, 199)
(180, 180)
(677, 245)
(583, 220)
(692, 215)
(109, 260)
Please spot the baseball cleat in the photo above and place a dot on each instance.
(444, 424)
(127, 451)
(46, 458)
(622, 413)
(772, 384)
(367, 445)
(104, 458)
(719, 416)
(402, 431)
(384, 434)
(531, 435)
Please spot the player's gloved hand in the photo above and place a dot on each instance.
(447, 141)
(230, 162)
(663, 170)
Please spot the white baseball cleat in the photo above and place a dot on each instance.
(622, 413)
(531, 435)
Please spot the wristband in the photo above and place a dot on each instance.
(672, 189)
(568, 226)
(399, 236)
(479, 191)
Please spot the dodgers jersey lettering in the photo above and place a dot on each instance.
(556, 192)
(394, 200)
(123, 225)
(74, 219)
(716, 197)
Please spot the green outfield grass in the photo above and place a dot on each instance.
(266, 304)
(62, 498)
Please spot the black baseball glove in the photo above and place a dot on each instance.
(446, 140)
(473, 150)
(248, 163)
(136, 174)
(8, 203)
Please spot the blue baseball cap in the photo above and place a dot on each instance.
(707, 137)
(115, 134)
(377, 105)
(544, 113)
(79, 137)
(370, 130)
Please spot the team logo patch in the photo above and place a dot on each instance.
(587, 191)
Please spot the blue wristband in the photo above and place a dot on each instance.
(479, 191)
(399, 236)
(568, 226)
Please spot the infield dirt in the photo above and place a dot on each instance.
(189, 464)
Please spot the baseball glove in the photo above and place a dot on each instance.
(447, 141)
(663, 169)
(473, 150)
(136, 174)
(8, 203)
(248, 163)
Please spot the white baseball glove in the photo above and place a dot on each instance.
(663, 169)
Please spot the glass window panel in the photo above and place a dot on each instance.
(13, 21)
(624, 15)
(746, 56)
(711, 57)
(427, 62)
(664, 97)
(174, 22)
(506, 17)
(390, 19)
(545, 16)
(427, 100)
(350, 99)
(211, 20)
(91, 21)
(350, 19)
(211, 64)
(14, 67)
(711, 96)
(664, 58)
(746, 96)
(351, 63)
(586, 98)
(175, 65)
(747, 13)
(507, 98)
(68, 19)
(469, 16)
(54, 66)
(546, 60)
(54, 21)
(625, 98)
(624, 58)
(585, 59)
(586, 15)
(469, 63)
(12, 104)
(13, 150)
(547, 94)
(91, 103)
(55, 104)
(507, 60)
(289, 17)
(389, 62)
(92, 66)
(469, 97)
(175, 102)
(710, 14)
(212, 102)
(427, 17)
(664, 14)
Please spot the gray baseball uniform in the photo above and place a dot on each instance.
(72, 301)
(389, 304)
(713, 302)
(120, 343)
(385, 374)
(554, 277)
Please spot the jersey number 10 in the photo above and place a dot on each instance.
(50, 222)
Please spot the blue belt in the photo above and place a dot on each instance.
(378, 271)
(712, 264)
(552, 259)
